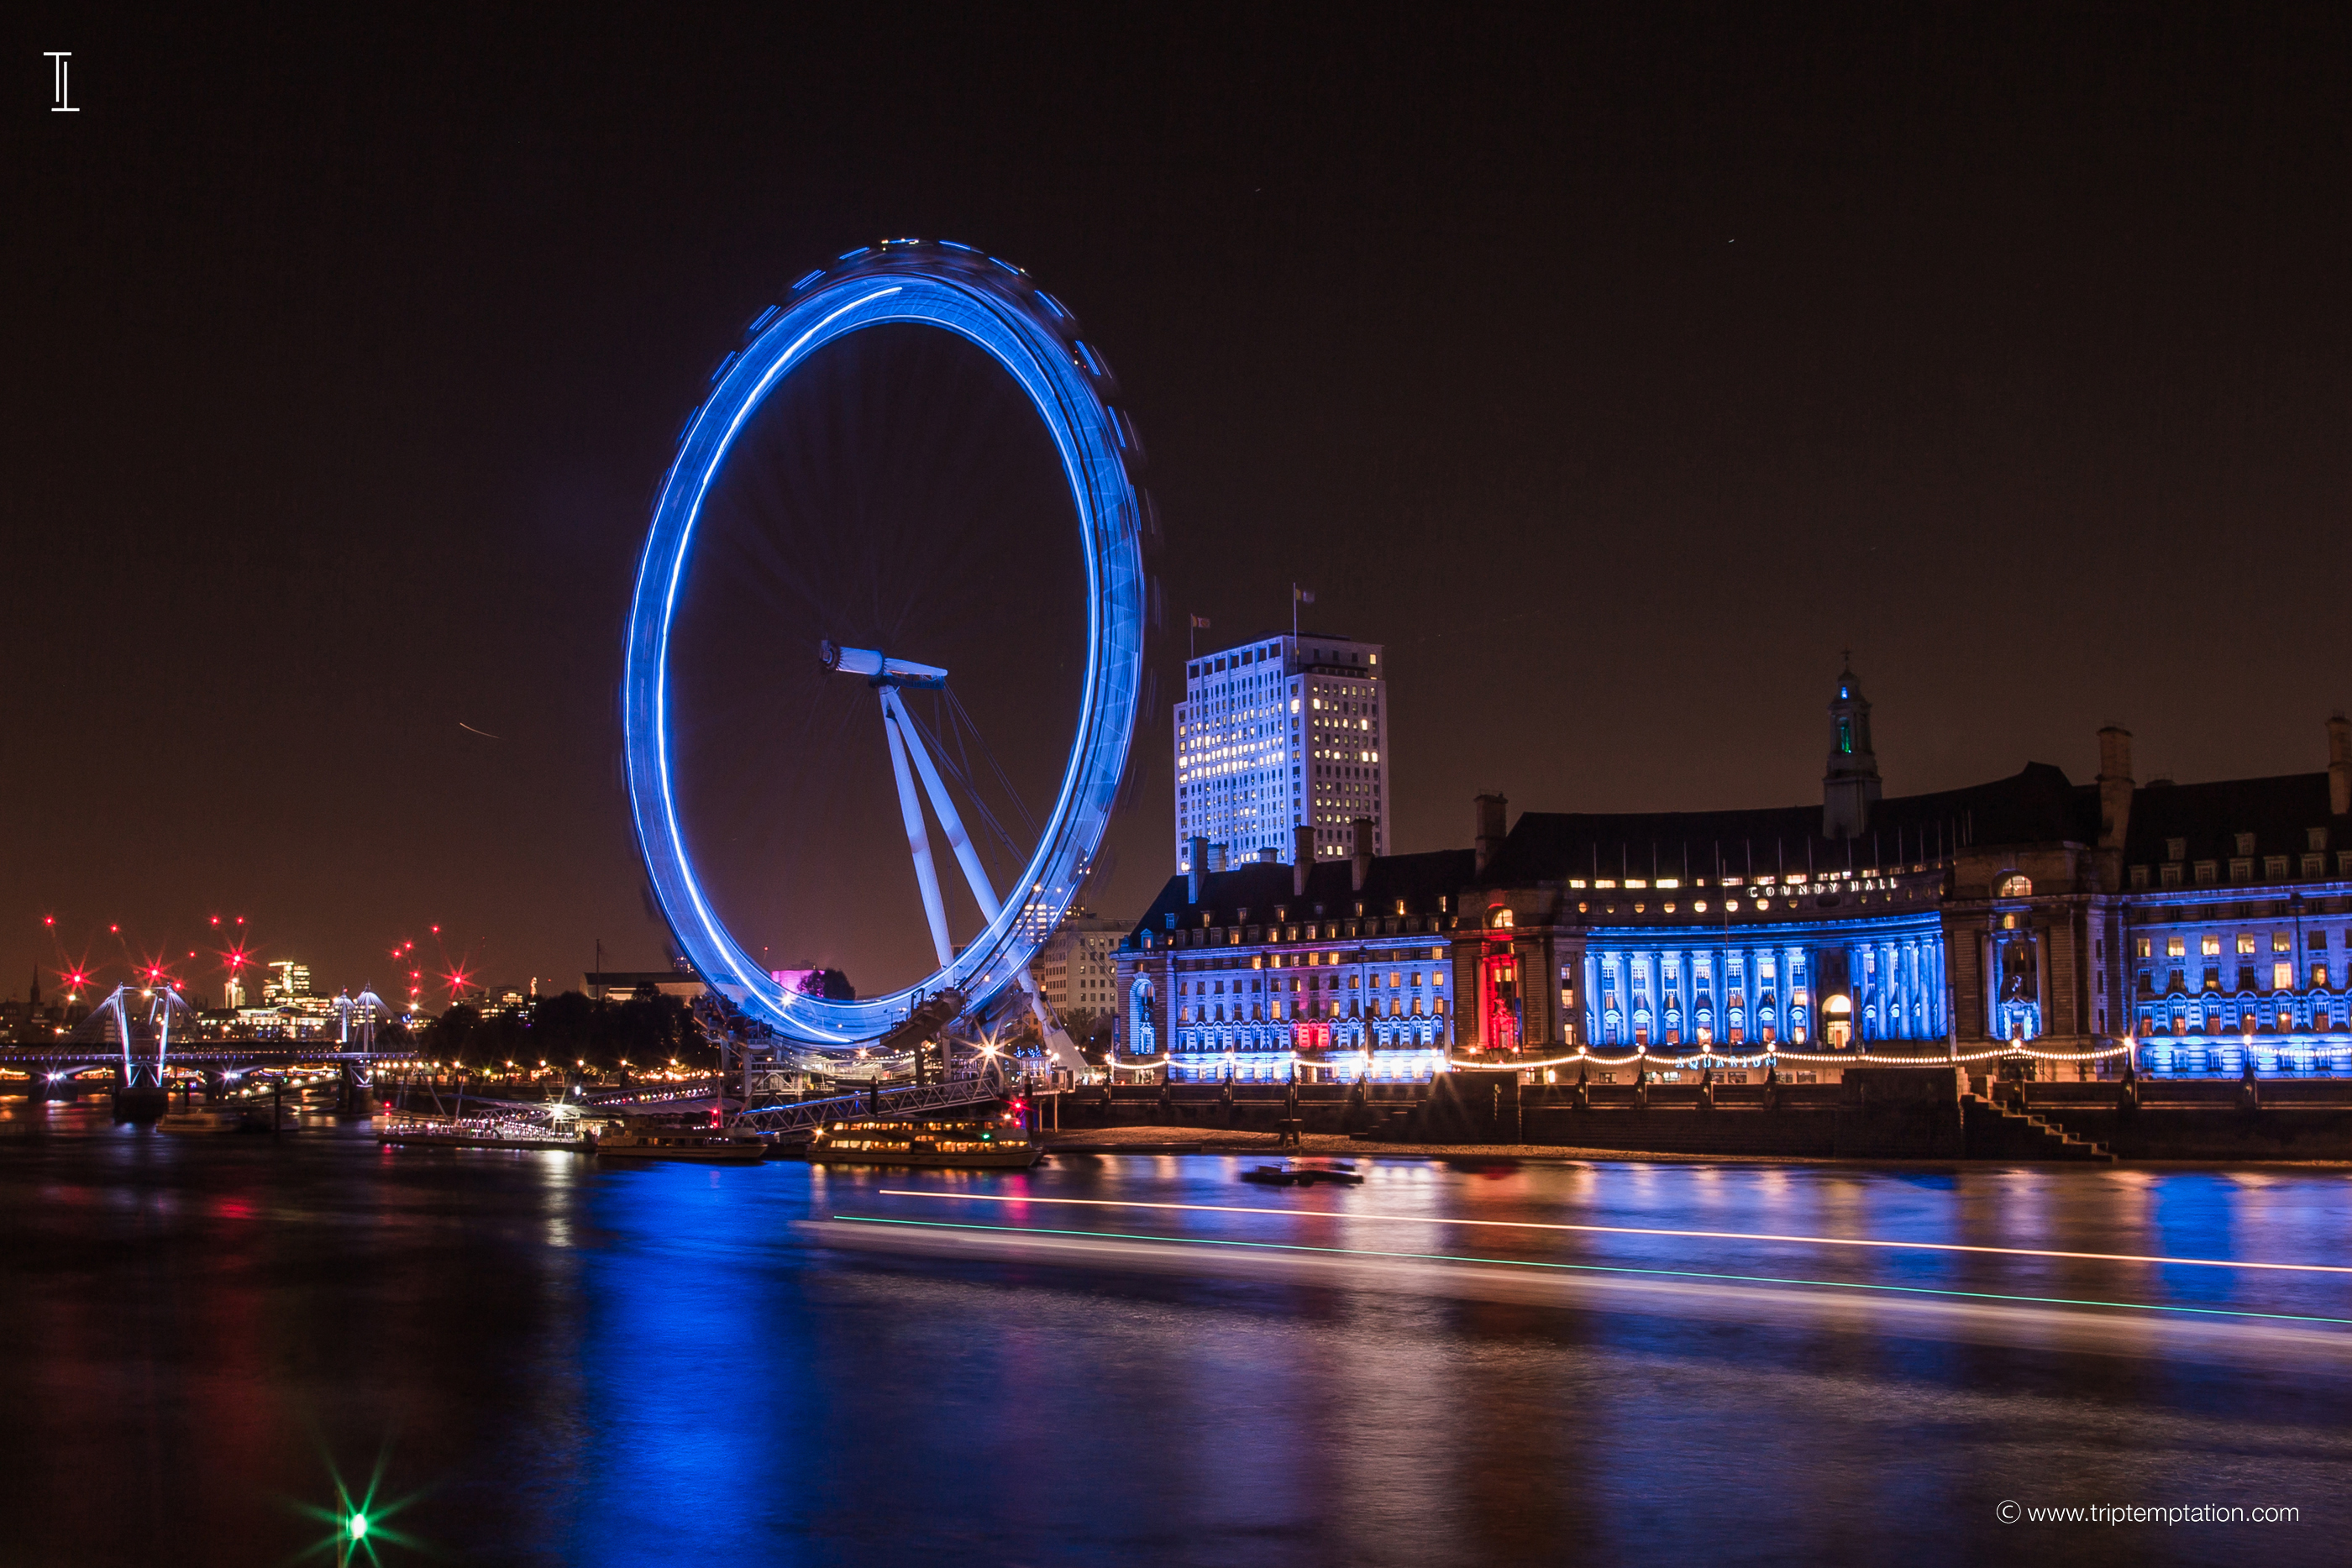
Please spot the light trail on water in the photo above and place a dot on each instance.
(1629, 1230)
(1371, 1252)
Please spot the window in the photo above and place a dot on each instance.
(2210, 945)
(2314, 866)
(2171, 875)
(2282, 943)
(2016, 887)
(2174, 947)
(2205, 870)
(2245, 943)
(2245, 842)
(2274, 867)
(2282, 976)
(2241, 869)
(2316, 941)
(2139, 876)
(2145, 946)
(2175, 849)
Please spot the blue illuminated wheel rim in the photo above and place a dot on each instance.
(995, 306)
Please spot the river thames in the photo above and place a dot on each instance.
(527, 1358)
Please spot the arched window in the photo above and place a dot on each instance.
(2015, 885)
(1500, 920)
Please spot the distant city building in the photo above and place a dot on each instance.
(829, 983)
(620, 985)
(1078, 968)
(1038, 917)
(2210, 925)
(287, 980)
(1286, 732)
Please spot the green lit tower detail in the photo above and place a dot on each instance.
(1850, 788)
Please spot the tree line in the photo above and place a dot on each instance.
(646, 1031)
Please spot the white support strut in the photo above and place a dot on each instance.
(919, 838)
(958, 840)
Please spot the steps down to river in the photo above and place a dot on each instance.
(1997, 1132)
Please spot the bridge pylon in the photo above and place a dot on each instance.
(138, 1021)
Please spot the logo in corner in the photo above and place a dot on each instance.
(60, 82)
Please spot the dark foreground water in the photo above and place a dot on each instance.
(532, 1359)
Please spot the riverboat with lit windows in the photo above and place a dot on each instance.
(708, 1147)
(937, 1145)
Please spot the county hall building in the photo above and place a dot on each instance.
(2207, 922)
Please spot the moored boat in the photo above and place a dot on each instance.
(712, 1148)
(939, 1146)
(203, 1121)
(480, 1135)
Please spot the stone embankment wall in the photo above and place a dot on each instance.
(1873, 1113)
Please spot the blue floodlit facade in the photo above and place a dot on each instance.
(2211, 925)
(1348, 965)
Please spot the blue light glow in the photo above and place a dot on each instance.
(919, 285)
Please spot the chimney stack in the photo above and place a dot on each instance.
(1216, 857)
(1360, 864)
(2339, 766)
(1490, 830)
(2115, 786)
(1196, 866)
(1302, 859)
(1269, 857)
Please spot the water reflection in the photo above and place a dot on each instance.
(571, 1364)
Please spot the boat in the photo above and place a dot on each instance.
(709, 1148)
(1303, 1176)
(480, 1135)
(933, 1146)
(207, 1121)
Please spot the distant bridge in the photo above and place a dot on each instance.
(131, 1033)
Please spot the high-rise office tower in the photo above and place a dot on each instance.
(1280, 734)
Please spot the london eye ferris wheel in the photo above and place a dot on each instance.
(894, 583)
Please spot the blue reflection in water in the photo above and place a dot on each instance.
(594, 1365)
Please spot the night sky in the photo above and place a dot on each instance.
(1615, 373)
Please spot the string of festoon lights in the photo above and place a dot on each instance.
(1703, 1059)
(1834, 1059)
